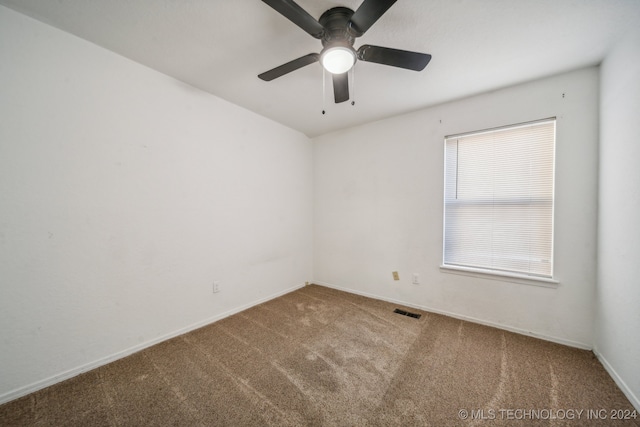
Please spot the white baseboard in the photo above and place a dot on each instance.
(39, 385)
(545, 337)
(635, 401)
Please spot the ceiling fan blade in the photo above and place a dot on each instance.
(290, 66)
(394, 57)
(341, 87)
(367, 14)
(294, 13)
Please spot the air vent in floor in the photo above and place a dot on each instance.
(406, 313)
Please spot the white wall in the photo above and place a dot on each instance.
(618, 294)
(378, 208)
(123, 195)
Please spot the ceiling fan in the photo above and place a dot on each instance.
(337, 29)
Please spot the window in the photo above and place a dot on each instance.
(498, 200)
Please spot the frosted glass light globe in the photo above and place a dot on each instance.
(338, 60)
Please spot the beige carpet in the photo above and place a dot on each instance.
(322, 357)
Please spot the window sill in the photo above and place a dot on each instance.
(505, 277)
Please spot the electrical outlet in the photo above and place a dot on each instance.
(416, 279)
(396, 276)
(216, 286)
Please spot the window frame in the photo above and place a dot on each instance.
(497, 273)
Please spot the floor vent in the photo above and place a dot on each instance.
(406, 313)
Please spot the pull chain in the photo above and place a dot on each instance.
(353, 84)
(324, 83)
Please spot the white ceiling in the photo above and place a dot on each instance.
(221, 46)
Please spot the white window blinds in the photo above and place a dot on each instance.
(498, 212)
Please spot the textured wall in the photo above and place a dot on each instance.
(123, 195)
(618, 292)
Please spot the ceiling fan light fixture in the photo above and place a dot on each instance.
(338, 59)
(337, 29)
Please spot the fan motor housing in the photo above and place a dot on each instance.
(336, 25)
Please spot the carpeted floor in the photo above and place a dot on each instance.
(321, 357)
